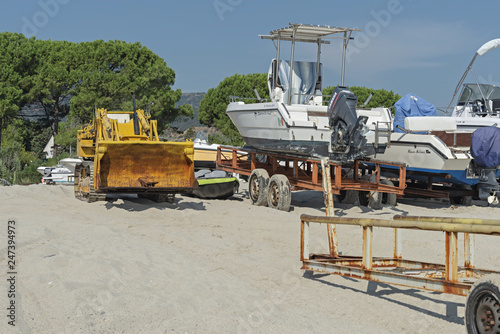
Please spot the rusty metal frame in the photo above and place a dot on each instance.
(303, 172)
(448, 277)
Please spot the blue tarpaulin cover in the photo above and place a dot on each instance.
(485, 148)
(411, 105)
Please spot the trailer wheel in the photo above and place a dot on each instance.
(482, 309)
(462, 200)
(387, 198)
(371, 199)
(280, 195)
(348, 196)
(257, 186)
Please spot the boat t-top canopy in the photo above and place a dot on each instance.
(307, 33)
(485, 48)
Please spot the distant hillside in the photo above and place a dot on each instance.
(182, 122)
(35, 112)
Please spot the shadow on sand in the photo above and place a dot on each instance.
(385, 291)
(134, 204)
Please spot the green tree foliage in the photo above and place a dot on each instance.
(217, 138)
(67, 136)
(190, 133)
(15, 66)
(13, 161)
(111, 71)
(57, 72)
(102, 74)
(214, 104)
(380, 98)
(39, 141)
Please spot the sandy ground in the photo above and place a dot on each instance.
(130, 265)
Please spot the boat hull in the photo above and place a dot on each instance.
(298, 147)
(276, 128)
(218, 188)
(427, 154)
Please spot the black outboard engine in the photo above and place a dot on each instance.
(348, 137)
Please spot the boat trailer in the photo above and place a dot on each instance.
(300, 172)
(481, 286)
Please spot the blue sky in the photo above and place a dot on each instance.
(406, 46)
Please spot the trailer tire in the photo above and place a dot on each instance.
(348, 196)
(279, 193)
(371, 199)
(257, 187)
(483, 305)
(387, 198)
(462, 200)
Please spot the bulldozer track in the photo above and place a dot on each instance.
(92, 195)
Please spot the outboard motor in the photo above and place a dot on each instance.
(485, 149)
(349, 130)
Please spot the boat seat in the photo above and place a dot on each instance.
(430, 123)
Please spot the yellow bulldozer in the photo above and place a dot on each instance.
(122, 153)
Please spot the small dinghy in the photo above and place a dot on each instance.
(215, 185)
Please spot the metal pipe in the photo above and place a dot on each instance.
(318, 65)
(304, 241)
(136, 118)
(277, 74)
(367, 261)
(345, 42)
(257, 94)
(291, 67)
(475, 221)
(397, 244)
(408, 224)
(469, 243)
(481, 91)
(451, 265)
(461, 81)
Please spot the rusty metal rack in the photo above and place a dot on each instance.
(429, 184)
(447, 278)
(305, 173)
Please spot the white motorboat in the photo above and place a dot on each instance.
(297, 120)
(56, 175)
(62, 173)
(70, 163)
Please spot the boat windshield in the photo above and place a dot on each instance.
(472, 92)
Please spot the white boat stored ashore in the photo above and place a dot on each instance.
(297, 120)
(62, 173)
